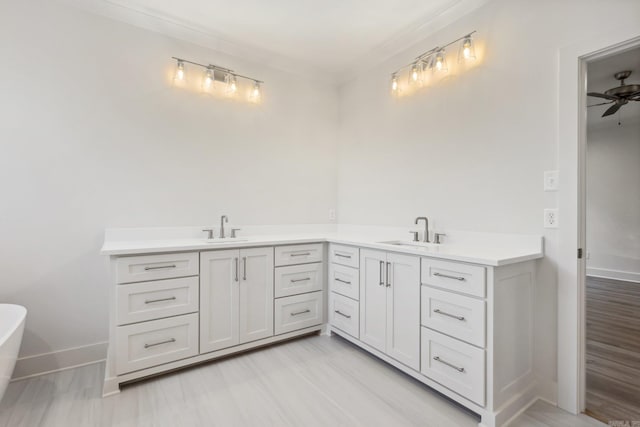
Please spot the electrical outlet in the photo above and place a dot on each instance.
(551, 181)
(332, 214)
(551, 218)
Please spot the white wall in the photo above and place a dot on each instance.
(470, 151)
(93, 135)
(613, 197)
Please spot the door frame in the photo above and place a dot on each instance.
(572, 125)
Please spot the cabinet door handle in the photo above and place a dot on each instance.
(301, 312)
(342, 314)
(342, 281)
(437, 310)
(236, 261)
(300, 280)
(160, 267)
(170, 340)
(302, 254)
(451, 365)
(151, 301)
(388, 268)
(446, 276)
(343, 255)
(381, 268)
(244, 268)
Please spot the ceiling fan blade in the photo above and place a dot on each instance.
(602, 103)
(612, 110)
(603, 95)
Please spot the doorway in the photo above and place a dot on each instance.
(612, 238)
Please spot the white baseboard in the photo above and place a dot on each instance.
(627, 276)
(40, 364)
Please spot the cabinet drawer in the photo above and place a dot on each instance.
(345, 280)
(454, 276)
(454, 364)
(298, 254)
(153, 300)
(455, 315)
(344, 314)
(344, 255)
(298, 279)
(147, 344)
(154, 267)
(298, 312)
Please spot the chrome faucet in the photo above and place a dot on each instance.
(425, 238)
(223, 219)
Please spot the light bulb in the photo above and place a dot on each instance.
(256, 93)
(209, 78)
(394, 84)
(179, 77)
(440, 62)
(232, 84)
(467, 50)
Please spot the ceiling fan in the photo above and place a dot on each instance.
(619, 95)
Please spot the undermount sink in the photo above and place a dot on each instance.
(225, 241)
(411, 244)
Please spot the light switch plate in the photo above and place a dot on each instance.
(332, 214)
(551, 181)
(551, 218)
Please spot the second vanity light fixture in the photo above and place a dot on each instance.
(435, 61)
(213, 73)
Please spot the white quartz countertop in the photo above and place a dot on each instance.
(483, 248)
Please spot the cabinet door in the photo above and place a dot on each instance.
(219, 300)
(403, 309)
(373, 298)
(256, 294)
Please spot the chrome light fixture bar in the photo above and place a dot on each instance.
(215, 73)
(435, 59)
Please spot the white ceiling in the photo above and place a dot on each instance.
(600, 78)
(332, 36)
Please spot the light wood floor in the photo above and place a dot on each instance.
(313, 381)
(613, 349)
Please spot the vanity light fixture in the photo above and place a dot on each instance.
(215, 73)
(434, 60)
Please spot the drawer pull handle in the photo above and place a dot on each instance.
(444, 362)
(301, 312)
(342, 314)
(170, 340)
(342, 281)
(151, 301)
(437, 310)
(449, 277)
(343, 255)
(300, 280)
(302, 254)
(160, 267)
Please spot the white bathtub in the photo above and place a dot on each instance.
(12, 319)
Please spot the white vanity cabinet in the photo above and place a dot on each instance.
(390, 304)
(236, 297)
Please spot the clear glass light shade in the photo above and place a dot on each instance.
(207, 82)
(415, 74)
(180, 75)
(440, 62)
(232, 84)
(467, 50)
(394, 84)
(256, 93)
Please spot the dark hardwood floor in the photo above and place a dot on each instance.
(613, 349)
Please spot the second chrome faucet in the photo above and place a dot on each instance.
(425, 237)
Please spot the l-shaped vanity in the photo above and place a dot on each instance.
(456, 318)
